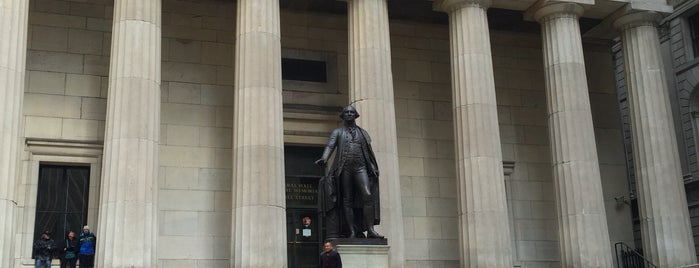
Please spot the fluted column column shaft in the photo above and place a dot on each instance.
(582, 222)
(371, 91)
(13, 51)
(128, 206)
(484, 239)
(665, 228)
(259, 205)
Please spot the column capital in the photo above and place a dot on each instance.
(546, 10)
(450, 5)
(638, 18)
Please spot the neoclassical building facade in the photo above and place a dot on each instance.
(184, 131)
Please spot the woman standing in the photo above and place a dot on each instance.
(70, 251)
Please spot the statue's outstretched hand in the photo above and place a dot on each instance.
(321, 162)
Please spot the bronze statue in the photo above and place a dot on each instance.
(354, 177)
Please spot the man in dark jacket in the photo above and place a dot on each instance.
(330, 258)
(43, 250)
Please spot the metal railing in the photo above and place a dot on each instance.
(627, 257)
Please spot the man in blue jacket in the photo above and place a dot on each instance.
(87, 248)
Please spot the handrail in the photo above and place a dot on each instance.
(627, 257)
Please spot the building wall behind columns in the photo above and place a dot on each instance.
(66, 90)
(423, 109)
(67, 68)
(422, 81)
(519, 83)
(64, 99)
(610, 146)
(315, 32)
(682, 67)
(196, 120)
(519, 80)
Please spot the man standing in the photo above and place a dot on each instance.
(87, 248)
(358, 173)
(43, 250)
(330, 258)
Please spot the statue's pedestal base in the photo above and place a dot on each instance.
(363, 253)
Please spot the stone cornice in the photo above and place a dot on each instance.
(450, 5)
(92, 148)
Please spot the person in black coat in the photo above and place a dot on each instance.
(330, 258)
(44, 248)
(71, 246)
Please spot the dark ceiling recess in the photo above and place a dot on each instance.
(324, 6)
(422, 11)
(510, 20)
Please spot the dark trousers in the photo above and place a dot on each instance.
(69, 263)
(354, 181)
(355, 178)
(87, 260)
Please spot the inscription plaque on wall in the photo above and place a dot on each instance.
(301, 191)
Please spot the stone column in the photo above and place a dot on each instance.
(582, 222)
(371, 92)
(128, 207)
(484, 239)
(259, 205)
(665, 229)
(13, 51)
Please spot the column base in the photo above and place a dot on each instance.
(363, 256)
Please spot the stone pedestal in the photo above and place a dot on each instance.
(13, 48)
(371, 92)
(128, 207)
(484, 237)
(258, 236)
(582, 220)
(665, 229)
(363, 256)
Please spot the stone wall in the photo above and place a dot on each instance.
(683, 77)
(68, 63)
(64, 102)
(425, 143)
(196, 120)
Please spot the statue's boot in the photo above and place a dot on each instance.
(349, 218)
(369, 222)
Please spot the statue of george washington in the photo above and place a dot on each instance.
(354, 177)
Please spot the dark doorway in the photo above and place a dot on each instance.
(61, 200)
(304, 227)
